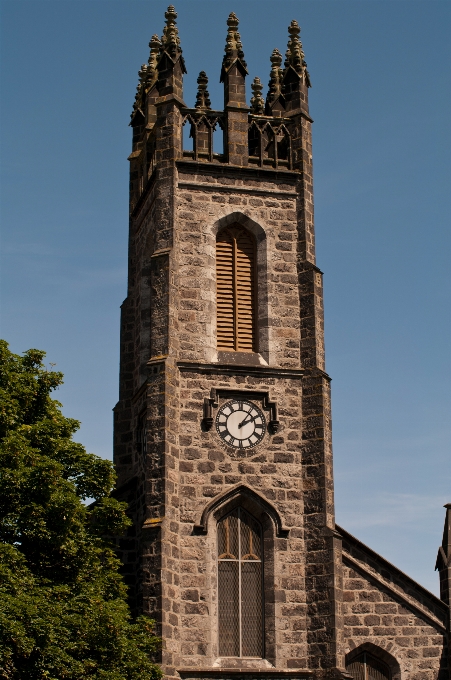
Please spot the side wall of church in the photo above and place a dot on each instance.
(386, 612)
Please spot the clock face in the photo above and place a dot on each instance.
(240, 424)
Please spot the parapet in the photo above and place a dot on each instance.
(266, 134)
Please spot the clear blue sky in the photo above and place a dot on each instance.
(381, 101)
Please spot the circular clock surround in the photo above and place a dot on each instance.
(240, 423)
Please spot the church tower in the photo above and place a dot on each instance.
(223, 425)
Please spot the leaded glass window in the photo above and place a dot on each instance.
(240, 585)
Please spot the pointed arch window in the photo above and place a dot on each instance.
(240, 585)
(236, 290)
(368, 667)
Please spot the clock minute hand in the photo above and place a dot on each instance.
(246, 421)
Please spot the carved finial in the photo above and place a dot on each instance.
(142, 74)
(152, 71)
(294, 55)
(170, 37)
(275, 79)
(233, 48)
(443, 563)
(257, 101)
(202, 97)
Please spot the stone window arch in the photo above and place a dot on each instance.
(236, 290)
(240, 585)
(272, 528)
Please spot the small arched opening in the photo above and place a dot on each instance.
(188, 137)
(370, 662)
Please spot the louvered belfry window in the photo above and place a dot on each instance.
(240, 585)
(367, 667)
(235, 290)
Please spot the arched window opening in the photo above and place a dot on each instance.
(368, 667)
(254, 137)
(187, 137)
(235, 290)
(270, 142)
(218, 139)
(240, 585)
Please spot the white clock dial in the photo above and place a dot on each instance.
(240, 423)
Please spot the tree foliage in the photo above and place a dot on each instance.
(63, 611)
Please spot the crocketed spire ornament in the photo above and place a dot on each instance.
(170, 40)
(202, 97)
(142, 74)
(233, 48)
(148, 74)
(257, 101)
(275, 78)
(152, 71)
(294, 55)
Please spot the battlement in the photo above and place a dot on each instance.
(267, 133)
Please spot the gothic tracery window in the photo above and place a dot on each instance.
(368, 667)
(240, 585)
(236, 290)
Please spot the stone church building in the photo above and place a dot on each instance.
(223, 444)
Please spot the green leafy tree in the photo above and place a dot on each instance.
(63, 611)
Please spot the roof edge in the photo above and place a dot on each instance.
(408, 579)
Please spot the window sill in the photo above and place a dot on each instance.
(242, 663)
(241, 358)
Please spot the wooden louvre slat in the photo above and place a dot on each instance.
(224, 292)
(235, 286)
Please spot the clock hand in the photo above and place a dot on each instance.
(245, 421)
